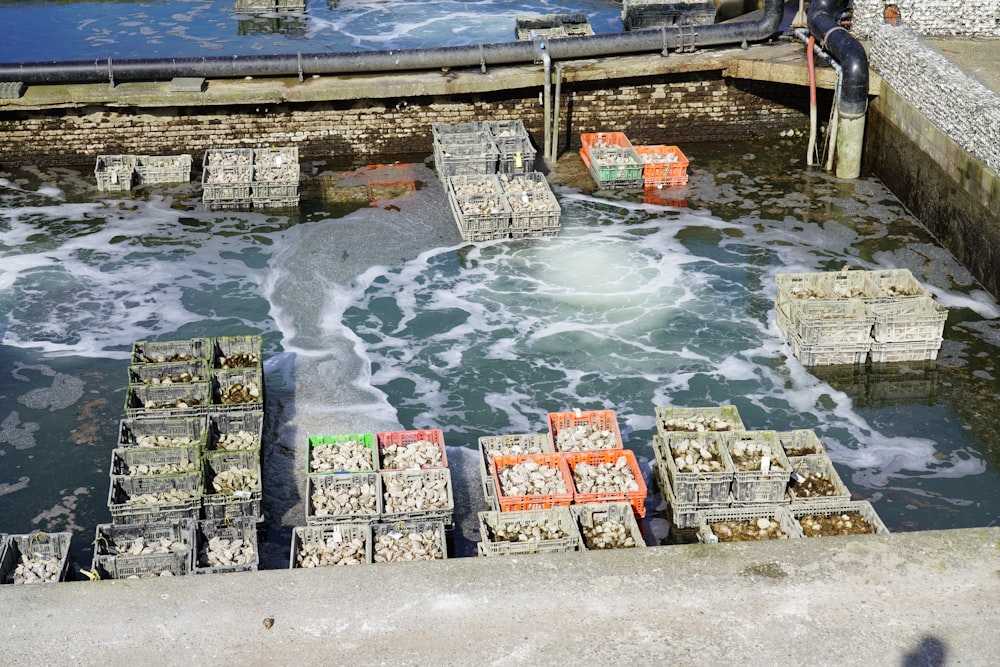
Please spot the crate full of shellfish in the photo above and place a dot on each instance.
(411, 450)
(662, 165)
(35, 558)
(608, 526)
(233, 486)
(171, 372)
(276, 165)
(507, 445)
(528, 532)
(823, 287)
(480, 214)
(226, 546)
(231, 352)
(800, 442)
(717, 418)
(767, 522)
(895, 285)
(167, 399)
(532, 481)
(601, 140)
(417, 495)
(183, 431)
(230, 430)
(533, 210)
(164, 351)
(163, 168)
(918, 319)
(326, 546)
(115, 173)
(856, 517)
(465, 185)
(161, 548)
(696, 465)
(814, 480)
(227, 175)
(551, 26)
(844, 322)
(341, 453)
(607, 476)
(645, 14)
(145, 498)
(351, 498)
(406, 541)
(584, 430)
(238, 389)
(155, 460)
(828, 354)
(615, 167)
(760, 468)
(685, 515)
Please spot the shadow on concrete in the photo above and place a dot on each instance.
(930, 652)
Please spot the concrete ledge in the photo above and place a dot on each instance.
(909, 598)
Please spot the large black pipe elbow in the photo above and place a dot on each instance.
(826, 28)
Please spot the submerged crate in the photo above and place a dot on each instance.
(528, 532)
(172, 372)
(511, 503)
(223, 500)
(595, 521)
(508, 445)
(360, 485)
(335, 442)
(716, 418)
(115, 173)
(235, 430)
(847, 322)
(163, 432)
(709, 532)
(918, 318)
(155, 460)
(52, 548)
(636, 498)
(696, 487)
(158, 352)
(602, 423)
(644, 14)
(117, 549)
(387, 535)
(325, 546)
(167, 399)
(827, 354)
(758, 484)
(810, 519)
(438, 501)
(242, 529)
(662, 165)
(386, 439)
(127, 503)
(815, 464)
(163, 168)
(800, 442)
(914, 350)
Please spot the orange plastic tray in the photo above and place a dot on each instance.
(663, 165)
(386, 438)
(604, 420)
(635, 498)
(537, 501)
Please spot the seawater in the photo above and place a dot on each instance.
(380, 318)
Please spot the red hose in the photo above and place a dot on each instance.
(812, 71)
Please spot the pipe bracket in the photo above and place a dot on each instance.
(829, 32)
(111, 74)
(482, 59)
(666, 48)
(687, 38)
(301, 73)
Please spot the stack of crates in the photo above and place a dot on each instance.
(36, 557)
(515, 154)
(275, 178)
(644, 14)
(353, 497)
(569, 520)
(115, 173)
(551, 26)
(188, 457)
(612, 160)
(662, 166)
(848, 317)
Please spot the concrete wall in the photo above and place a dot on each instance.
(701, 106)
(968, 18)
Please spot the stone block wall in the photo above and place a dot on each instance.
(960, 106)
(968, 18)
(671, 109)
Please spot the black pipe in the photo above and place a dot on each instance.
(824, 25)
(639, 41)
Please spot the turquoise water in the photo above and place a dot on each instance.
(380, 318)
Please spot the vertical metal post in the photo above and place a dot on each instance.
(547, 103)
(555, 115)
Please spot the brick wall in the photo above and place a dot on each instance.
(672, 109)
(968, 18)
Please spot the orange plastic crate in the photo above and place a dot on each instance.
(536, 501)
(591, 139)
(635, 498)
(386, 438)
(604, 420)
(663, 165)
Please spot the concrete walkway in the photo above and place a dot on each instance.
(929, 598)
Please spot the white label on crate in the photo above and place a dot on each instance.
(395, 535)
(765, 464)
(712, 538)
(337, 537)
(579, 413)
(797, 478)
(242, 495)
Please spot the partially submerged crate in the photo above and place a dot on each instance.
(145, 498)
(662, 165)
(171, 372)
(225, 500)
(47, 551)
(508, 445)
(645, 14)
(115, 173)
(158, 352)
(847, 322)
(234, 531)
(398, 439)
(336, 442)
(636, 498)
(231, 430)
(918, 318)
(709, 529)
(703, 486)
(608, 526)
(163, 168)
(847, 513)
(227, 175)
(117, 549)
(155, 460)
(715, 418)
(509, 502)
(800, 442)
(767, 481)
(328, 546)
(528, 532)
(387, 537)
(914, 350)
(176, 431)
(438, 502)
(800, 490)
(827, 354)
(356, 485)
(551, 26)
(154, 400)
(602, 425)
